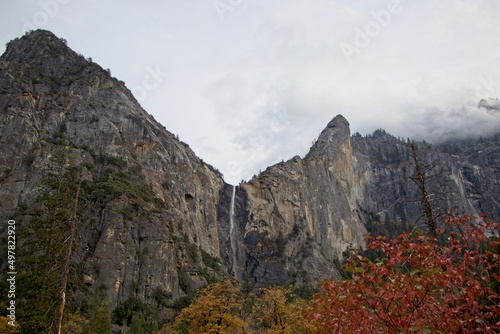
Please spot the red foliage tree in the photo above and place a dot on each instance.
(419, 285)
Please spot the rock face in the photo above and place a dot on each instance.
(163, 199)
(159, 218)
(315, 211)
(302, 213)
(463, 176)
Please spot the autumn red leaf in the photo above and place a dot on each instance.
(419, 284)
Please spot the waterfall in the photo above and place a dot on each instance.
(232, 236)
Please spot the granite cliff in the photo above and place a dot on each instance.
(302, 213)
(463, 176)
(152, 197)
(161, 222)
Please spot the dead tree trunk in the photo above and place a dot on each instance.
(67, 261)
(419, 178)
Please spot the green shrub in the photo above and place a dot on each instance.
(124, 312)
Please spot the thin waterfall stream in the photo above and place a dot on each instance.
(232, 236)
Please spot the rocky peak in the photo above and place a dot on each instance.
(336, 135)
(337, 127)
(147, 192)
(43, 50)
(338, 120)
(43, 63)
(490, 104)
(38, 42)
(308, 207)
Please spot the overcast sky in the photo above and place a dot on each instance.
(247, 83)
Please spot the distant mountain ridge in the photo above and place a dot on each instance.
(159, 217)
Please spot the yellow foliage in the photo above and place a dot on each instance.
(272, 313)
(8, 329)
(216, 309)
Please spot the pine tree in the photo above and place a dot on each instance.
(47, 247)
(99, 313)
